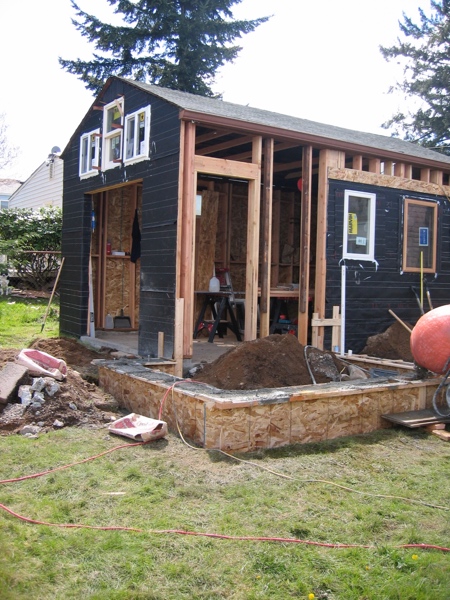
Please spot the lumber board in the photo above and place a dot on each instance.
(442, 434)
(416, 418)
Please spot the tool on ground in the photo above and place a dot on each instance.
(53, 293)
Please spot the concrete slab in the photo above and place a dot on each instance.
(11, 377)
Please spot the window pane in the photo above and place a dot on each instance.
(358, 241)
(420, 235)
(114, 148)
(113, 119)
(130, 138)
(84, 154)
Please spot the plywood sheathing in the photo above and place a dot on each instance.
(206, 240)
(389, 181)
(244, 421)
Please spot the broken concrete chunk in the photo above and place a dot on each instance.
(38, 384)
(11, 377)
(25, 394)
(58, 423)
(30, 429)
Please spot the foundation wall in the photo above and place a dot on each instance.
(265, 418)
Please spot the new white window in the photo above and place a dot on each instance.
(137, 135)
(112, 134)
(89, 153)
(359, 225)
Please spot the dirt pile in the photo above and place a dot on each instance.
(78, 402)
(274, 361)
(393, 344)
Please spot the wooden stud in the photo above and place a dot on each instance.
(253, 221)
(160, 344)
(374, 165)
(264, 306)
(437, 177)
(425, 175)
(399, 169)
(186, 235)
(357, 163)
(305, 245)
(178, 349)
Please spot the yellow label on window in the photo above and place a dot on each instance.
(141, 116)
(352, 223)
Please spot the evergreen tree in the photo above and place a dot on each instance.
(425, 53)
(179, 44)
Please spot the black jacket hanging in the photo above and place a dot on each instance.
(136, 239)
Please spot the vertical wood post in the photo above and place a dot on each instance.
(254, 209)
(305, 244)
(264, 306)
(186, 235)
(333, 159)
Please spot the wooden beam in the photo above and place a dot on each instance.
(227, 168)
(399, 169)
(305, 243)
(436, 177)
(328, 159)
(357, 162)
(186, 235)
(264, 306)
(374, 165)
(390, 181)
(253, 220)
(425, 175)
(234, 143)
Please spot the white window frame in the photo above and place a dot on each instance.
(92, 162)
(133, 123)
(113, 134)
(370, 231)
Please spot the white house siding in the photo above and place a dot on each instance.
(44, 187)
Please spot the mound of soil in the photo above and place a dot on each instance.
(79, 402)
(393, 344)
(274, 361)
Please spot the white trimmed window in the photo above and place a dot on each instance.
(112, 134)
(137, 135)
(89, 153)
(359, 225)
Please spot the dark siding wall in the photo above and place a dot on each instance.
(373, 288)
(159, 216)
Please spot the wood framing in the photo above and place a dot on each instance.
(264, 306)
(305, 245)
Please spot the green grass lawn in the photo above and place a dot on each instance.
(166, 485)
(21, 320)
(289, 493)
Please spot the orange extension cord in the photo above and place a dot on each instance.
(180, 531)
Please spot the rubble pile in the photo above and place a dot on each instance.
(42, 404)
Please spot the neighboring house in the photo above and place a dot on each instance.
(44, 187)
(7, 189)
(334, 216)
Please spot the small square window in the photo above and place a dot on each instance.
(419, 236)
(112, 134)
(137, 135)
(89, 153)
(359, 225)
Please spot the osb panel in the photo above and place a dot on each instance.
(234, 430)
(369, 408)
(264, 425)
(238, 223)
(117, 295)
(309, 421)
(120, 218)
(238, 277)
(343, 416)
(388, 181)
(259, 427)
(206, 240)
(280, 425)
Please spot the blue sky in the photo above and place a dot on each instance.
(316, 60)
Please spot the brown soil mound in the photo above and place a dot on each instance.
(79, 402)
(274, 361)
(392, 344)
